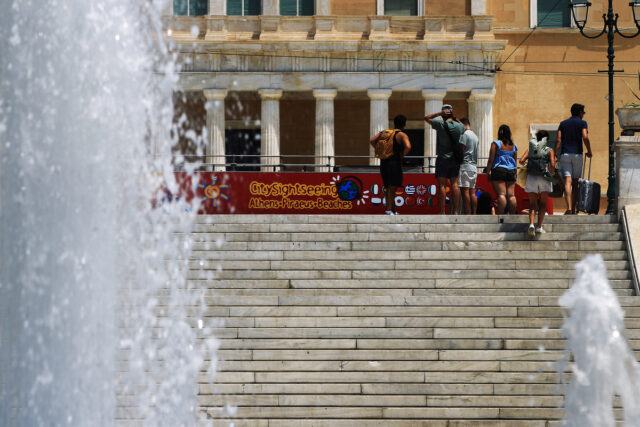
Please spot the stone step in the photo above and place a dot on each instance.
(535, 345)
(387, 423)
(394, 274)
(375, 311)
(444, 377)
(408, 219)
(362, 366)
(372, 400)
(357, 412)
(393, 228)
(370, 322)
(395, 265)
(402, 237)
(366, 310)
(339, 284)
(447, 389)
(403, 292)
(392, 322)
(342, 301)
(396, 355)
(588, 246)
(298, 255)
(395, 333)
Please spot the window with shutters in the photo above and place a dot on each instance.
(190, 7)
(550, 13)
(243, 7)
(401, 7)
(297, 7)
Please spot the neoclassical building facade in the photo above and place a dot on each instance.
(294, 79)
(321, 85)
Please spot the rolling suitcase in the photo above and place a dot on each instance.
(588, 193)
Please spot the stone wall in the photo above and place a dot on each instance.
(353, 7)
(525, 96)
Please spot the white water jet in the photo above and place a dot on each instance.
(96, 316)
(604, 364)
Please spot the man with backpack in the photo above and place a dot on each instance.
(448, 154)
(391, 145)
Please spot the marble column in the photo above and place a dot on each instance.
(270, 128)
(433, 99)
(323, 7)
(325, 138)
(481, 118)
(218, 7)
(215, 150)
(379, 118)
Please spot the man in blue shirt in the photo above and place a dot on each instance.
(571, 134)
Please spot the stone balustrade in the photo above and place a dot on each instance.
(627, 170)
(294, 28)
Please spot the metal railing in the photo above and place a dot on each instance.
(285, 163)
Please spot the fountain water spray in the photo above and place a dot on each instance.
(97, 319)
(604, 363)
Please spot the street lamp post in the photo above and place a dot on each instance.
(580, 12)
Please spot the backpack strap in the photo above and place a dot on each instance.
(446, 128)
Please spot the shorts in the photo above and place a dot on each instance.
(467, 179)
(391, 171)
(447, 168)
(537, 184)
(503, 174)
(571, 165)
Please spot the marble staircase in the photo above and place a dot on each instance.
(393, 320)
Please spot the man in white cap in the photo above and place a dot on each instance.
(448, 133)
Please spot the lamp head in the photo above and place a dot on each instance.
(580, 12)
(635, 7)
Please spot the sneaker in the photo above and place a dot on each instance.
(540, 230)
(532, 231)
(388, 213)
(395, 213)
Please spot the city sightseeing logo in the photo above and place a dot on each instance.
(350, 189)
(214, 192)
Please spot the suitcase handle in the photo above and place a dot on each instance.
(584, 165)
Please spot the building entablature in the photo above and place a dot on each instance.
(334, 28)
(347, 56)
(343, 82)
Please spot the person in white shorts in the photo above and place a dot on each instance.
(540, 169)
(572, 133)
(468, 168)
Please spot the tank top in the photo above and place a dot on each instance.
(504, 158)
(397, 147)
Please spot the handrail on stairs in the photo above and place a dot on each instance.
(632, 261)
